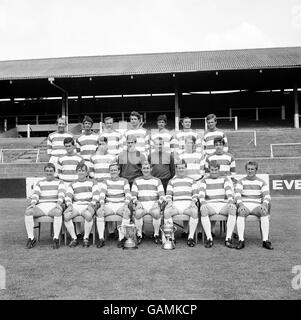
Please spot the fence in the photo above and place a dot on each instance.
(23, 151)
(281, 144)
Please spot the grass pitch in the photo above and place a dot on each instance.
(110, 273)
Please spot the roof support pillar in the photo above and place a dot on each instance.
(177, 106)
(296, 104)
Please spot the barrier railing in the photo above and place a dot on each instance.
(2, 151)
(281, 144)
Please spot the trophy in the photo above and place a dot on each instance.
(168, 230)
(129, 231)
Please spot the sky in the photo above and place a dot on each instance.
(32, 29)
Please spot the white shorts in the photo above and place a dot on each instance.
(217, 206)
(147, 205)
(114, 206)
(46, 207)
(251, 205)
(80, 208)
(181, 206)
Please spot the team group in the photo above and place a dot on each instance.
(109, 173)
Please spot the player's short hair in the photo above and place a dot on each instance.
(191, 138)
(49, 165)
(61, 118)
(103, 139)
(251, 163)
(218, 139)
(82, 165)
(214, 164)
(69, 140)
(210, 116)
(131, 137)
(108, 118)
(181, 161)
(135, 114)
(87, 119)
(162, 117)
(114, 164)
(145, 163)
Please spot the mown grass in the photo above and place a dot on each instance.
(150, 272)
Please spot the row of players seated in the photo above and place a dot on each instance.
(215, 195)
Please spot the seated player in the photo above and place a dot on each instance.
(216, 197)
(81, 199)
(47, 200)
(148, 196)
(181, 198)
(253, 198)
(115, 197)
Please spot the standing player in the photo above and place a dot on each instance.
(252, 197)
(115, 197)
(162, 163)
(99, 170)
(47, 200)
(55, 142)
(225, 159)
(115, 138)
(87, 142)
(210, 134)
(179, 139)
(67, 168)
(148, 196)
(141, 134)
(81, 199)
(216, 197)
(101, 160)
(181, 198)
(162, 133)
(130, 160)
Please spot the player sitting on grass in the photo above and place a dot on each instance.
(47, 200)
(216, 197)
(81, 199)
(148, 196)
(253, 198)
(115, 197)
(181, 198)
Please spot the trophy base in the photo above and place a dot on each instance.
(129, 248)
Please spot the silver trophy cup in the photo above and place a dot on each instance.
(129, 231)
(168, 237)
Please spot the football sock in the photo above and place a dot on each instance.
(240, 228)
(57, 225)
(29, 224)
(193, 222)
(265, 225)
(100, 222)
(185, 226)
(139, 225)
(156, 224)
(230, 226)
(207, 227)
(88, 227)
(78, 227)
(70, 227)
